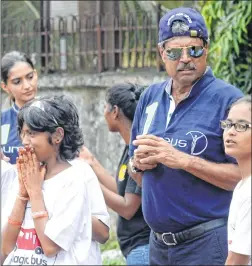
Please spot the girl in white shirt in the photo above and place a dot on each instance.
(8, 175)
(237, 140)
(50, 220)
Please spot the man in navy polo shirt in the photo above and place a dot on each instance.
(177, 144)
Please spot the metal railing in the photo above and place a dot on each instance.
(90, 43)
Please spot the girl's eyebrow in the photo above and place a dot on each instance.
(29, 73)
(20, 77)
(14, 79)
(239, 121)
(243, 121)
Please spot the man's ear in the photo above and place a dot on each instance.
(4, 87)
(58, 135)
(207, 48)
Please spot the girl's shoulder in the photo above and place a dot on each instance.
(8, 116)
(70, 179)
(85, 170)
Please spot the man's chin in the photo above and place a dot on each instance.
(187, 80)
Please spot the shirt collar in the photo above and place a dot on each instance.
(15, 108)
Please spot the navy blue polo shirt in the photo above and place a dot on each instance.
(173, 199)
(10, 141)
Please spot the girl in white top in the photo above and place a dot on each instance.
(237, 139)
(8, 175)
(98, 206)
(50, 221)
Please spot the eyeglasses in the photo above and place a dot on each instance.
(239, 127)
(176, 52)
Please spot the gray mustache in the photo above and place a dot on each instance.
(188, 66)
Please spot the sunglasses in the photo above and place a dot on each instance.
(193, 51)
(239, 127)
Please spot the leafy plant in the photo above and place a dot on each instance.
(230, 45)
(115, 261)
(110, 245)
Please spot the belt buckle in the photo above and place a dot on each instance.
(173, 237)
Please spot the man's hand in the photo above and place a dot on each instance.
(142, 165)
(153, 150)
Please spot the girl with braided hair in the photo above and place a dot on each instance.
(122, 194)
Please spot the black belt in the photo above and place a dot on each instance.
(171, 239)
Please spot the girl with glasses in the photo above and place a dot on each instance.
(237, 140)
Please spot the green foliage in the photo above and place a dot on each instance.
(230, 47)
(112, 243)
(20, 9)
(116, 261)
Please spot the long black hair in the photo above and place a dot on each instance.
(125, 96)
(9, 60)
(46, 114)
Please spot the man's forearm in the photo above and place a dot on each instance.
(223, 175)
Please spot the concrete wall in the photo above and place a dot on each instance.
(90, 102)
(88, 94)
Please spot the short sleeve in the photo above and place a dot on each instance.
(98, 205)
(70, 218)
(241, 240)
(10, 201)
(132, 187)
(8, 176)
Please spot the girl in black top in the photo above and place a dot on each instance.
(123, 194)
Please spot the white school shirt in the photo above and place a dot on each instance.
(98, 209)
(239, 219)
(8, 175)
(69, 225)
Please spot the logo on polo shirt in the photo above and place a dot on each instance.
(199, 142)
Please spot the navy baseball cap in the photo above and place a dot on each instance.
(191, 17)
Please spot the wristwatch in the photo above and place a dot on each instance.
(134, 170)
